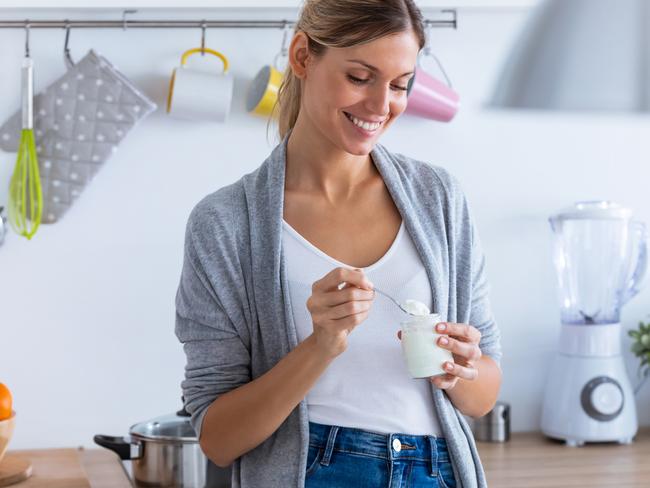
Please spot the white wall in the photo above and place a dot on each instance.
(86, 327)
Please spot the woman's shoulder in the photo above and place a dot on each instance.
(216, 217)
(216, 206)
(426, 176)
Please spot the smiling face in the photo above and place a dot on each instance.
(352, 95)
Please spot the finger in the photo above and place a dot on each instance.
(337, 276)
(465, 331)
(350, 322)
(347, 309)
(466, 350)
(350, 294)
(465, 372)
(444, 381)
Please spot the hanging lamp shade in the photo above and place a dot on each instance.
(580, 55)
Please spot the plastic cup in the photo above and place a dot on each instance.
(424, 357)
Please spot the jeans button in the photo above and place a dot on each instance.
(397, 445)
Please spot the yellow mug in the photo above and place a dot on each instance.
(263, 91)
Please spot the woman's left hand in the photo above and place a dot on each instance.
(462, 340)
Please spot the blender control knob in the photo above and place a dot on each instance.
(602, 398)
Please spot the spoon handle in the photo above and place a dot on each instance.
(392, 299)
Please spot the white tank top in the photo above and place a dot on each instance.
(368, 385)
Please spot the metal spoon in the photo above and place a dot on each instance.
(377, 290)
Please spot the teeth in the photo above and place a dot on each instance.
(363, 124)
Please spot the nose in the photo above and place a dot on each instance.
(379, 101)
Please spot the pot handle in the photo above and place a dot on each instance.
(118, 445)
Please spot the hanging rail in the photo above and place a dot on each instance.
(175, 24)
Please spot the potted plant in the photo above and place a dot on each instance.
(641, 349)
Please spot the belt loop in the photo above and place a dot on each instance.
(434, 455)
(330, 445)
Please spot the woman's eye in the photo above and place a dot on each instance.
(358, 81)
(361, 81)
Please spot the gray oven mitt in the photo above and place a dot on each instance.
(78, 122)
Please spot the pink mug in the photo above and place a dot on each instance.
(430, 98)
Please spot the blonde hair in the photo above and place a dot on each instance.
(343, 23)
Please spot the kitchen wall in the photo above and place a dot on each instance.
(86, 327)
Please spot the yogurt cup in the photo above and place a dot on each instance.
(424, 357)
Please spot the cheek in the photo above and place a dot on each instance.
(398, 105)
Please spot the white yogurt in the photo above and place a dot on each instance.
(416, 308)
(424, 357)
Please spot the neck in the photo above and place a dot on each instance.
(315, 165)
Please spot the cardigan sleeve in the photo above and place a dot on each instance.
(481, 315)
(217, 357)
(474, 289)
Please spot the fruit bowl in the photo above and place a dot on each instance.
(6, 431)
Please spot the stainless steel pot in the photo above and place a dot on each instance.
(165, 452)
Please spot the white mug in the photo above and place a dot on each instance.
(200, 95)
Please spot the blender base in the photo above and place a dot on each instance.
(589, 398)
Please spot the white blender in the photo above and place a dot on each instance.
(600, 256)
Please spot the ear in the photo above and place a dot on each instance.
(299, 56)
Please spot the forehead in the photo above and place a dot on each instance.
(392, 54)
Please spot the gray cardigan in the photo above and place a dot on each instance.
(233, 312)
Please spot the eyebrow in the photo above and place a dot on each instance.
(374, 68)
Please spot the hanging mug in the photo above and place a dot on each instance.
(200, 95)
(429, 97)
(263, 90)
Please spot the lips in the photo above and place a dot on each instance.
(365, 124)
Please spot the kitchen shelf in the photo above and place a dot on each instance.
(239, 4)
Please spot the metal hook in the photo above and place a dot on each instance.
(27, 38)
(427, 51)
(285, 34)
(124, 14)
(66, 50)
(454, 16)
(203, 27)
(284, 50)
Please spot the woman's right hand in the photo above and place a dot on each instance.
(339, 302)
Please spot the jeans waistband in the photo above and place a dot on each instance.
(392, 447)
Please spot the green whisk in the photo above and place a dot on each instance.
(25, 196)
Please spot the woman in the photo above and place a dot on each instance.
(294, 370)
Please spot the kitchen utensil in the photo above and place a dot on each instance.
(428, 97)
(165, 452)
(14, 469)
(263, 91)
(401, 307)
(25, 197)
(3, 226)
(200, 95)
(79, 120)
(495, 425)
(601, 257)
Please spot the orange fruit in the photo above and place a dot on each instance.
(5, 402)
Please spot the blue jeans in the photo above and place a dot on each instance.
(342, 457)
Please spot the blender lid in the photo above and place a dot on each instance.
(595, 210)
(170, 427)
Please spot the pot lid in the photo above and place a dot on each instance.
(170, 427)
(595, 210)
